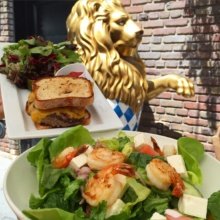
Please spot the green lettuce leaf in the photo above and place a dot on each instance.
(139, 159)
(39, 156)
(120, 143)
(97, 213)
(52, 214)
(192, 152)
(74, 137)
(214, 204)
(140, 194)
(155, 204)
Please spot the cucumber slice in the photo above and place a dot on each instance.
(191, 190)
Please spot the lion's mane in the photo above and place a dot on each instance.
(120, 78)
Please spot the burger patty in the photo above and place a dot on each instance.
(62, 120)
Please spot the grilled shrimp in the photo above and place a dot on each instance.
(101, 157)
(107, 184)
(162, 175)
(64, 158)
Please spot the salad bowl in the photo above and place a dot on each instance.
(20, 180)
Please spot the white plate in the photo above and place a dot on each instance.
(17, 190)
(20, 126)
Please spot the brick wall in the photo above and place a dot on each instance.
(6, 21)
(181, 37)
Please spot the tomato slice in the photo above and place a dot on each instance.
(75, 74)
(147, 149)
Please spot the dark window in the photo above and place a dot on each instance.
(45, 18)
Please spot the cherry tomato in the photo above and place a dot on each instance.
(75, 74)
(147, 149)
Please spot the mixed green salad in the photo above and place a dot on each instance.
(74, 185)
(35, 57)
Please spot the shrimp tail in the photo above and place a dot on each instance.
(124, 169)
(156, 146)
(64, 158)
(178, 185)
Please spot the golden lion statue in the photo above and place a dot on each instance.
(107, 40)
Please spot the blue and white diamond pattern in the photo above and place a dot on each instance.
(129, 119)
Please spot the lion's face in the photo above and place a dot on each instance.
(124, 32)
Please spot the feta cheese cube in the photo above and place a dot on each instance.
(157, 216)
(78, 161)
(177, 162)
(115, 209)
(142, 139)
(89, 150)
(169, 150)
(194, 206)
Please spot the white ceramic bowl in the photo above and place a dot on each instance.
(74, 67)
(20, 179)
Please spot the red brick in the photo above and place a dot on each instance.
(170, 118)
(155, 102)
(201, 90)
(152, 71)
(148, 32)
(194, 121)
(174, 39)
(146, 40)
(153, 24)
(194, 113)
(209, 99)
(161, 47)
(165, 95)
(154, 7)
(164, 32)
(150, 63)
(176, 14)
(215, 55)
(171, 64)
(126, 2)
(195, 105)
(139, 2)
(216, 38)
(176, 22)
(171, 103)
(182, 112)
(172, 56)
(180, 97)
(206, 29)
(160, 64)
(153, 15)
(198, 55)
(181, 127)
(209, 147)
(200, 138)
(171, 111)
(160, 110)
(187, 30)
(176, 5)
(134, 9)
(150, 55)
(204, 130)
(198, 20)
(164, 15)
